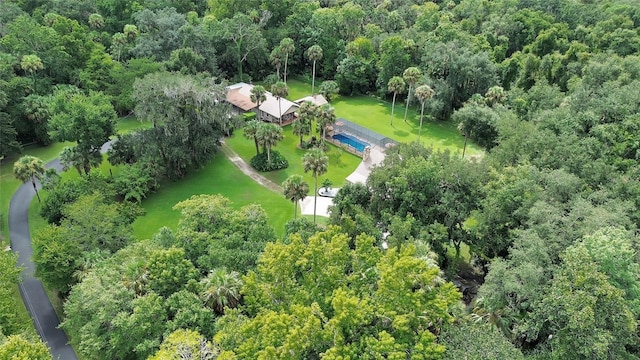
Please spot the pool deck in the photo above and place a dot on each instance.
(360, 175)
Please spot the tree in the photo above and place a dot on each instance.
(246, 37)
(317, 162)
(156, 33)
(22, 346)
(411, 76)
(396, 85)
(29, 168)
(275, 58)
(186, 344)
(328, 89)
(287, 46)
(495, 95)
(331, 297)
(314, 53)
(268, 136)
(306, 114)
(423, 92)
(250, 131)
(88, 120)
(279, 90)
(96, 21)
(258, 95)
(32, 64)
(220, 290)
(188, 115)
(326, 116)
(295, 189)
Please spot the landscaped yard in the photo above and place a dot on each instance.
(341, 163)
(375, 114)
(219, 177)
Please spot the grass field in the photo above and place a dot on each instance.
(219, 177)
(375, 114)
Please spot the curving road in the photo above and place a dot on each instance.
(35, 299)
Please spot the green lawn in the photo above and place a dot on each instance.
(341, 163)
(219, 177)
(375, 114)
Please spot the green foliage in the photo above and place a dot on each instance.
(9, 278)
(186, 343)
(465, 339)
(261, 162)
(320, 296)
(22, 346)
(216, 236)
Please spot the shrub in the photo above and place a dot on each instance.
(260, 163)
(249, 116)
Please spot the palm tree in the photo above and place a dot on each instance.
(275, 58)
(250, 131)
(286, 46)
(396, 84)
(258, 95)
(221, 290)
(31, 64)
(317, 162)
(306, 114)
(29, 168)
(495, 95)
(423, 92)
(279, 90)
(314, 54)
(295, 189)
(96, 21)
(268, 136)
(325, 117)
(411, 76)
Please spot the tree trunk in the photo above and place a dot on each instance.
(464, 148)
(255, 141)
(286, 59)
(295, 209)
(33, 182)
(406, 109)
(280, 109)
(393, 106)
(313, 79)
(421, 115)
(315, 197)
(269, 155)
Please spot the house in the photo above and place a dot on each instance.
(317, 100)
(281, 111)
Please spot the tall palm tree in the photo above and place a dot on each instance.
(295, 189)
(306, 114)
(31, 64)
(287, 47)
(275, 58)
(29, 168)
(279, 90)
(326, 116)
(317, 162)
(258, 96)
(411, 76)
(250, 131)
(221, 290)
(314, 54)
(268, 136)
(423, 92)
(396, 85)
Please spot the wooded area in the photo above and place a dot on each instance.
(546, 220)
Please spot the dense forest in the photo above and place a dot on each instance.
(549, 214)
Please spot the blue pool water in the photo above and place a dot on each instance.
(352, 141)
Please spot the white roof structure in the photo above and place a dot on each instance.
(240, 93)
(317, 100)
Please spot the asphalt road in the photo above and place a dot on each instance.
(35, 299)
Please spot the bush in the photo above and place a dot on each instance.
(248, 116)
(260, 163)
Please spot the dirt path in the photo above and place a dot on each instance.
(248, 170)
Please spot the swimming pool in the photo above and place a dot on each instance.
(352, 141)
